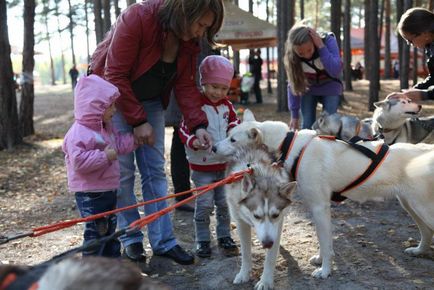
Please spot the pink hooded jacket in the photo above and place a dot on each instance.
(87, 165)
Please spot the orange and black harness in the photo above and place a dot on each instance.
(376, 157)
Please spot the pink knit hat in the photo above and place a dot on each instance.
(216, 69)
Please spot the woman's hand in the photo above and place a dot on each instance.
(316, 39)
(294, 124)
(205, 139)
(144, 134)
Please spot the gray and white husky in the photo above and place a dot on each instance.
(259, 201)
(342, 126)
(396, 120)
(325, 166)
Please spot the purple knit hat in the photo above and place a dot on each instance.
(216, 69)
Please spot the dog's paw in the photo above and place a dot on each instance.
(315, 260)
(242, 277)
(320, 273)
(414, 251)
(264, 285)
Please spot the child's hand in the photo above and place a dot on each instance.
(196, 144)
(111, 153)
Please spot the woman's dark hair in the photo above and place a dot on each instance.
(179, 15)
(416, 21)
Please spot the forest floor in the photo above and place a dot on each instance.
(369, 238)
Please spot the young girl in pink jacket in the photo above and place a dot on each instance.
(91, 147)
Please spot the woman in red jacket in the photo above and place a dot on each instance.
(151, 49)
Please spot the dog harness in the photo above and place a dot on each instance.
(376, 157)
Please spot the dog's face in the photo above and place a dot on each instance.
(327, 124)
(244, 135)
(265, 200)
(397, 109)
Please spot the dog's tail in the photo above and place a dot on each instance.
(421, 166)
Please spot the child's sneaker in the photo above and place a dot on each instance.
(203, 249)
(228, 246)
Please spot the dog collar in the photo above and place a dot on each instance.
(286, 147)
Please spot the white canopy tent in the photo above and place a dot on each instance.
(243, 30)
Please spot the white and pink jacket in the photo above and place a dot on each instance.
(221, 118)
(87, 165)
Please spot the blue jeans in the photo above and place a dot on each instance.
(150, 162)
(205, 206)
(91, 203)
(308, 108)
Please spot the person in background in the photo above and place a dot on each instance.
(91, 148)
(179, 169)
(73, 73)
(255, 62)
(150, 50)
(416, 26)
(216, 73)
(246, 86)
(313, 66)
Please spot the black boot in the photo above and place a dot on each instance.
(135, 253)
(203, 249)
(179, 255)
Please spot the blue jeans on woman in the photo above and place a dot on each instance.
(308, 108)
(205, 206)
(91, 203)
(150, 162)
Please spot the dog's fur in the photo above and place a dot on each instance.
(342, 126)
(90, 273)
(329, 166)
(260, 201)
(397, 120)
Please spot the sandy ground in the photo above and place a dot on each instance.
(369, 238)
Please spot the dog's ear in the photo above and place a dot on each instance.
(287, 189)
(248, 116)
(248, 185)
(380, 104)
(256, 135)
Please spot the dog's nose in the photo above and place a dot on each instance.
(214, 149)
(267, 244)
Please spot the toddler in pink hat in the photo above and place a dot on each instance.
(216, 73)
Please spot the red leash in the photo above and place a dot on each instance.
(39, 231)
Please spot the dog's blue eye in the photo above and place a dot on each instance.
(256, 216)
(232, 140)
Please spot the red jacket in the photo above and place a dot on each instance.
(131, 48)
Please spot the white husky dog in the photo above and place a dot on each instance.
(397, 120)
(260, 201)
(327, 166)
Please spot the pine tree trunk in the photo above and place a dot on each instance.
(48, 39)
(130, 2)
(117, 9)
(335, 15)
(107, 20)
(404, 62)
(374, 55)
(387, 56)
(98, 21)
(285, 20)
(27, 90)
(59, 31)
(366, 45)
(9, 131)
(86, 18)
(71, 32)
(347, 46)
